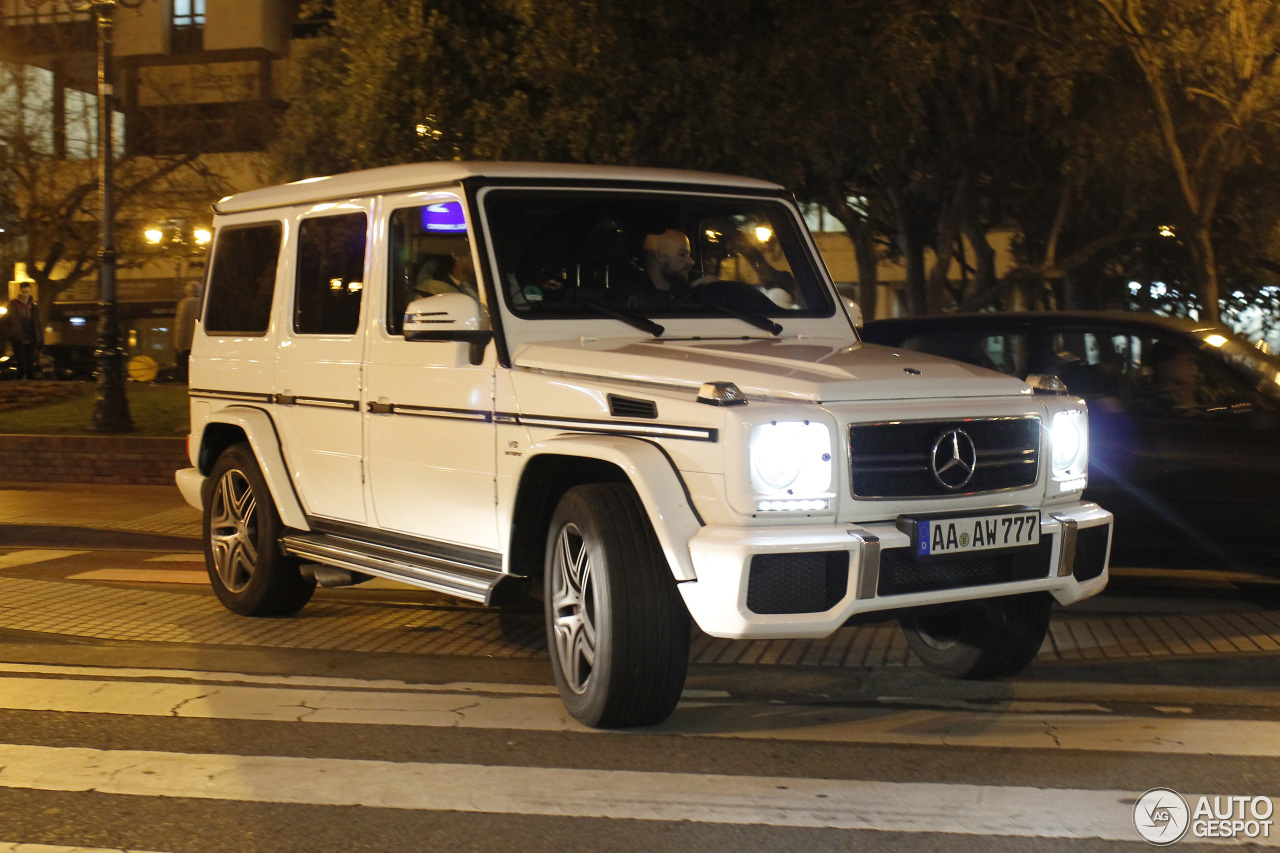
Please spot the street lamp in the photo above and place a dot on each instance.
(110, 408)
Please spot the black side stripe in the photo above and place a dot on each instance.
(431, 412)
(248, 396)
(645, 429)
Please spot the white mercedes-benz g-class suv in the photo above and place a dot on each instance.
(634, 390)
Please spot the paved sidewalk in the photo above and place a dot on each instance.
(124, 509)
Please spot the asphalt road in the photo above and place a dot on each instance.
(136, 715)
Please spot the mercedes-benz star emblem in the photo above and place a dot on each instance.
(954, 458)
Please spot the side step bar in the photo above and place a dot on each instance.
(472, 583)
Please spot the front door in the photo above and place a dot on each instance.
(431, 439)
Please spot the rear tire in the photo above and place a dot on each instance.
(249, 573)
(992, 638)
(617, 628)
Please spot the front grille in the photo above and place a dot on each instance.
(812, 582)
(895, 460)
(902, 571)
(1091, 552)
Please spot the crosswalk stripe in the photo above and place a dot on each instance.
(705, 798)
(1041, 726)
(144, 576)
(31, 556)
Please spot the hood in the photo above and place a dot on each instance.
(813, 369)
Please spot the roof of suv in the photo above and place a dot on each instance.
(415, 175)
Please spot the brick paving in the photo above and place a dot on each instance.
(441, 626)
(124, 613)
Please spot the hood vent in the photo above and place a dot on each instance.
(629, 407)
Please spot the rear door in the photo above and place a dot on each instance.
(318, 369)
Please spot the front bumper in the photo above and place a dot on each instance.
(847, 560)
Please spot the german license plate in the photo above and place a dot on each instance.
(934, 536)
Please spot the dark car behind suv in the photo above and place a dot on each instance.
(1184, 420)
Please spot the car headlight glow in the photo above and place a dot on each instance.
(1069, 438)
(791, 465)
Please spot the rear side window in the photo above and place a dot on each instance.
(243, 280)
(330, 275)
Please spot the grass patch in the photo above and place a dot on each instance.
(157, 410)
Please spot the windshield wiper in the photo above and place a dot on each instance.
(644, 324)
(758, 320)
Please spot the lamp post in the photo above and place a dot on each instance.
(110, 408)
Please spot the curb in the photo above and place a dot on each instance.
(92, 459)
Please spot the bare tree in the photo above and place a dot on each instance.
(1210, 70)
(49, 183)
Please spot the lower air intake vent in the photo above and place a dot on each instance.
(902, 572)
(1091, 552)
(813, 582)
(629, 407)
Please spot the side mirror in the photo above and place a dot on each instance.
(448, 317)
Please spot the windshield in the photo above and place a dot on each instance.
(566, 253)
(1252, 360)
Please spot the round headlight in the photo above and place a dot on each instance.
(1068, 440)
(776, 461)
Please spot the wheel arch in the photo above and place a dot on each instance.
(561, 463)
(236, 424)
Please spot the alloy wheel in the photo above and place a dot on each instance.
(233, 530)
(573, 600)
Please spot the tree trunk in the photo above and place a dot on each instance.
(912, 257)
(1202, 256)
(948, 235)
(864, 246)
(984, 261)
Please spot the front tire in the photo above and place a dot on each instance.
(617, 628)
(249, 573)
(993, 638)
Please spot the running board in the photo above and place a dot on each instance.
(472, 583)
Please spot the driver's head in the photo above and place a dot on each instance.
(464, 268)
(668, 259)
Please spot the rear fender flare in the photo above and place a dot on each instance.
(260, 431)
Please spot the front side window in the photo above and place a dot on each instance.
(242, 279)
(430, 254)
(564, 253)
(330, 278)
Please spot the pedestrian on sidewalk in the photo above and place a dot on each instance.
(26, 332)
(184, 327)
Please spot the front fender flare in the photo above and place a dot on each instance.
(265, 443)
(655, 479)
